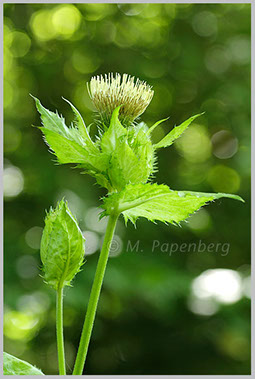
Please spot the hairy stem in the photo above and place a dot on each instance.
(60, 336)
(94, 297)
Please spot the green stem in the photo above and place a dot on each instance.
(94, 297)
(60, 337)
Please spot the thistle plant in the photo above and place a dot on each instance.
(122, 160)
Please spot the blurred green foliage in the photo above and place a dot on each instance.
(150, 320)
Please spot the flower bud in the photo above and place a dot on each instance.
(62, 246)
(109, 92)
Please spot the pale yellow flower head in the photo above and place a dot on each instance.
(110, 91)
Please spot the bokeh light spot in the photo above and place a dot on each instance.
(127, 35)
(152, 10)
(195, 145)
(66, 20)
(234, 344)
(223, 285)
(20, 44)
(8, 35)
(225, 145)
(12, 138)
(13, 181)
(205, 24)
(96, 12)
(217, 60)
(200, 221)
(93, 222)
(35, 303)
(203, 307)
(132, 9)
(91, 243)
(224, 179)
(75, 203)
(240, 50)
(20, 326)
(81, 97)
(27, 267)
(85, 63)
(33, 237)
(42, 26)
(247, 286)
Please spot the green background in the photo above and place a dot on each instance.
(150, 319)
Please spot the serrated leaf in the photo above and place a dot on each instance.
(71, 145)
(62, 247)
(141, 144)
(15, 366)
(68, 151)
(125, 167)
(84, 131)
(156, 124)
(169, 139)
(130, 153)
(55, 123)
(113, 134)
(158, 202)
(51, 120)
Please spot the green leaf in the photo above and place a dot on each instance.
(158, 202)
(71, 145)
(130, 153)
(51, 120)
(125, 167)
(55, 123)
(84, 131)
(62, 246)
(141, 144)
(68, 151)
(15, 366)
(114, 133)
(175, 133)
(156, 124)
